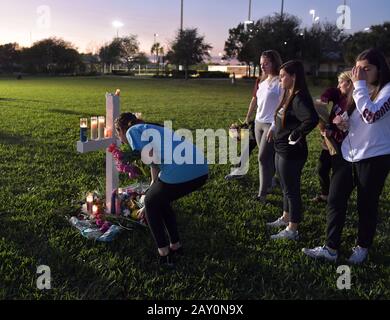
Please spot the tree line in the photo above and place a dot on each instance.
(245, 42)
(322, 42)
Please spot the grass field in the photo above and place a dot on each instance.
(228, 251)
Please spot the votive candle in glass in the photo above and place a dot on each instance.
(94, 128)
(101, 126)
(83, 129)
(89, 202)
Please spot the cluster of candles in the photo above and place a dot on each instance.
(98, 129)
(92, 205)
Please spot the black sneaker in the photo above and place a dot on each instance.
(260, 199)
(166, 261)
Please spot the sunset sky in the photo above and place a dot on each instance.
(88, 23)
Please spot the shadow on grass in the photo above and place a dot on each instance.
(71, 112)
(80, 280)
(16, 139)
(24, 100)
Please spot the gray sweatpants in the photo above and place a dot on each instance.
(266, 157)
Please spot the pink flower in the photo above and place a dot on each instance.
(111, 147)
(106, 225)
(132, 170)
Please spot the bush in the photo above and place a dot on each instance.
(180, 74)
(123, 73)
(160, 76)
(213, 74)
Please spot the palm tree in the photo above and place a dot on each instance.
(157, 50)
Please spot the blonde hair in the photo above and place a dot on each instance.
(345, 76)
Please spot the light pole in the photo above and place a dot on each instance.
(117, 24)
(181, 16)
(250, 9)
(282, 10)
(249, 21)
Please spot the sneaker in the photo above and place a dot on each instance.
(286, 234)
(261, 199)
(277, 223)
(166, 261)
(320, 199)
(236, 174)
(359, 254)
(320, 253)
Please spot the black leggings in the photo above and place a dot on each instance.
(323, 169)
(369, 176)
(290, 172)
(158, 210)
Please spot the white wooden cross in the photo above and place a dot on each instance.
(112, 176)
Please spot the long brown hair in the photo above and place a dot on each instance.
(125, 121)
(129, 119)
(376, 58)
(276, 61)
(293, 67)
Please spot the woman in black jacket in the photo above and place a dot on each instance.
(294, 119)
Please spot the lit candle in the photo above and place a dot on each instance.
(89, 202)
(94, 128)
(107, 132)
(95, 210)
(101, 124)
(83, 129)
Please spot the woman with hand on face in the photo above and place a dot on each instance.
(295, 118)
(265, 99)
(366, 150)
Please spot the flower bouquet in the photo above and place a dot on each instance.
(94, 222)
(323, 113)
(128, 161)
(126, 202)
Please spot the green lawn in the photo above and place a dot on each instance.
(228, 251)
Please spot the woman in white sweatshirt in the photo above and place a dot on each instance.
(367, 151)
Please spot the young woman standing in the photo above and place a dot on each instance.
(341, 98)
(295, 118)
(265, 99)
(366, 150)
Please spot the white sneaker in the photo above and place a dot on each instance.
(235, 174)
(286, 234)
(359, 254)
(320, 253)
(277, 223)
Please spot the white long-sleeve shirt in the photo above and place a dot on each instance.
(369, 125)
